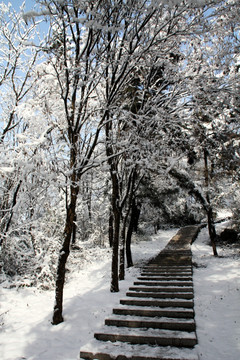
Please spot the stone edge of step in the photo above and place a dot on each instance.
(101, 350)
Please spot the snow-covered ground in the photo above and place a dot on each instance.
(25, 313)
(217, 300)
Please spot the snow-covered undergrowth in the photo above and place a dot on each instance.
(25, 315)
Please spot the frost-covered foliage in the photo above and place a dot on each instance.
(165, 204)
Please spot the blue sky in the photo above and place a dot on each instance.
(29, 4)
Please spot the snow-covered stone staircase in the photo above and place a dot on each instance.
(156, 319)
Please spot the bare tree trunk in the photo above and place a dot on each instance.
(128, 243)
(74, 231)
(115, 246)
(63, 256)
(133, 226)
(115, 207)
(211, 226)
(122, 251)
(212, 231)
(110, 227)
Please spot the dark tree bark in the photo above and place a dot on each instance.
(122, 252)
(115, 205)
(67, 237)
(116, 212)
(63, 256)
(212, 230)
(115, 245)
(74, 230)
(211, 226)
(133, 226)
(128, 243)
(136, 215)
(110, 227)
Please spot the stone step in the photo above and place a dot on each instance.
(163, 289)
(155, 323)
(168, 267)
(164, 283)
(158, 303)
(161, 295)
(165, 273)
(173, 260)
(156, 320)
(186, 313)
(101, 350)
(175, 250)
(165, 278)
(165, 266)
(173, 254)
(149, 336)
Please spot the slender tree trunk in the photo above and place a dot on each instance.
(212, 231)
(128, 243)
(122, 251)
(136, 215)
(133, 226)
(211, 226)
(115, 206)
(129, 235)
(110, 227)
(89, 201)
(115, 246)
(63, 256)
(74, 231)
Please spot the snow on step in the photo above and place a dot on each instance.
(110, 351)
(160, 295)
(146, 322)
(186, 313)
(176, 289)
(164, 283)
(161, 279)
(177, 267)
(164, 278)
(166, 273)
(159, 267)
(172, 267)
(159, 303)
(147, 336)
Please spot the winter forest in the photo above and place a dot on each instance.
(117, 118)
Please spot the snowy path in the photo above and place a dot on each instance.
(163, 340)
